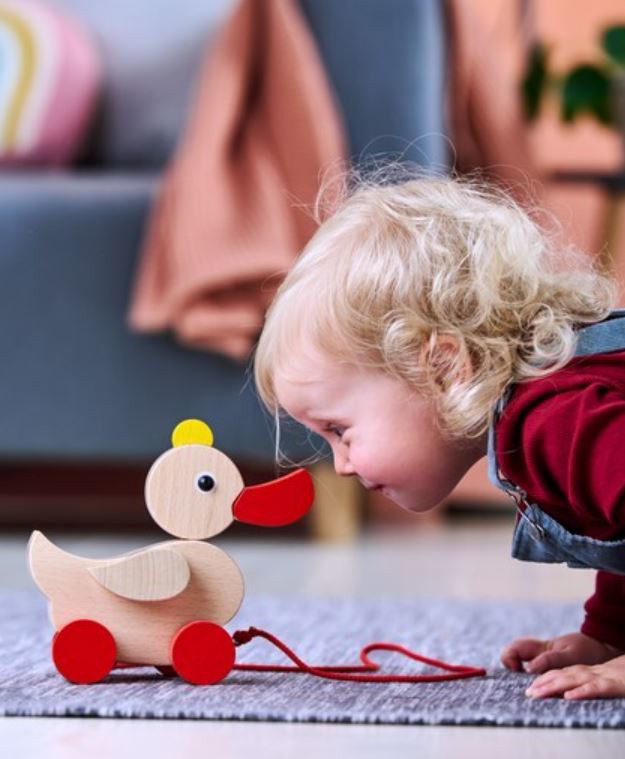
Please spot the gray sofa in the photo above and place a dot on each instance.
(75, 383)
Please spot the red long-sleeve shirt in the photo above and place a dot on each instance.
(562, 439)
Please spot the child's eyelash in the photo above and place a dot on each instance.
(338, 431)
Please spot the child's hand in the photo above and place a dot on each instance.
(542, 655)
(581, 681)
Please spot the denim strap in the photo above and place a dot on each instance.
(602, 337)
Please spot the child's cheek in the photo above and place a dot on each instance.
(369, 464)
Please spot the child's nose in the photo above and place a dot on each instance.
(342, 465)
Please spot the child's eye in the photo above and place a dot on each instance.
(335, 430)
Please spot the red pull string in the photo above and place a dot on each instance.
(241, 637)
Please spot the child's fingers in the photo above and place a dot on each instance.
(514, 654)
(599, 687)
(511, 660)
(544, 680)
(551, 659)
(556, 682)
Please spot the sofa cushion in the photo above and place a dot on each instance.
(76, 383)
(151, 51)
(49, 79)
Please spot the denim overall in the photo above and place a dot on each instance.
(538, 537)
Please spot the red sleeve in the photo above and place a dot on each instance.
(605, 610)
(569, 454)
(596, 476)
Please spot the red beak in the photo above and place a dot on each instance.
(276, 503)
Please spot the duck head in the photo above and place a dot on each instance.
(195, 491)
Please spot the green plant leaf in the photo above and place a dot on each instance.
(535, 80)
(587, 89)
(613, 43)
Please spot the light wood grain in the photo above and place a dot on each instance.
(174, 499)
(153, 574)
(78, 737)
(142, 629)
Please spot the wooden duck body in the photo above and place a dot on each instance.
(142, 629)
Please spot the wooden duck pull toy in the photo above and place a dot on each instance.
(164, 605)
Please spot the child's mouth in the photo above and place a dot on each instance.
(367, 486)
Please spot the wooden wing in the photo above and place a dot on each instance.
(153, 574)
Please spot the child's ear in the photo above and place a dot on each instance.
(441, 353)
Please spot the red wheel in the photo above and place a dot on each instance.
(202, 653)
(84, 651)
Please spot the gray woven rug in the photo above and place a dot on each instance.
(321, 631)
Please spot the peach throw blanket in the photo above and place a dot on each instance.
(226, 225)
(227, 220)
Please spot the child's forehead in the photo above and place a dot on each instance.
(326, 389)
(305, 387)
(312, 388)
(307, 367)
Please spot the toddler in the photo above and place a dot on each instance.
(430, 322)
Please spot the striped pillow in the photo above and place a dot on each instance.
(49, 80)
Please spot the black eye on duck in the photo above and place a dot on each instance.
(206, 482)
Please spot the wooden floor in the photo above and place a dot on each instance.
(457, 558)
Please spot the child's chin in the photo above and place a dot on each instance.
(410, 503)
(397, 499)
(407, 501)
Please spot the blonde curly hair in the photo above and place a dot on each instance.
(402, 270)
